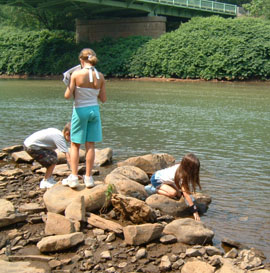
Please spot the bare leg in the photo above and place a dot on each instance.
(49, 171)
(74, 157)
(167, 191)
(90, 157)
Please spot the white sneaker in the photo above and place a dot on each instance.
(51, 180)
(46, 184)
(88, 181)
(150, 189)
(72, 181)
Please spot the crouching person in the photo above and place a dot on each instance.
(42, 144)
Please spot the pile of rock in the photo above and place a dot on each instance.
(113, 227)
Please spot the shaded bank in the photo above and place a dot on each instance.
(203, 48)
(147, 79)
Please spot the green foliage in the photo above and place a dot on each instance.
(53, 52)
(28, 17)
(235, 2)
(17, 17)
(115, 54)
(259, 8)
(108, 196)
(109, 192)
(208, 48)
(203, 48)
(36, 52)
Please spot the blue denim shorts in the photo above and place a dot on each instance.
(86, 125)
(155, 182)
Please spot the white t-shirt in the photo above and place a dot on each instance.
(50, 138)
(167, 174)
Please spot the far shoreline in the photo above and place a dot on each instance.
(150, 79)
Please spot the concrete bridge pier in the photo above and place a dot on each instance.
(95, 30)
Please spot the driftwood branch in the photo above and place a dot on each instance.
(102, 223)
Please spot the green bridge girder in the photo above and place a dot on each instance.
(174, 8)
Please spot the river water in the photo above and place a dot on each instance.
(227, 125)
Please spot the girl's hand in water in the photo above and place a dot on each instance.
(196, 216)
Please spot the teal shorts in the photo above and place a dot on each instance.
(86, 125)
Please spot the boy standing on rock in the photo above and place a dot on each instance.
(41, 146)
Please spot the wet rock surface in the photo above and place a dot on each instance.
(114, 227)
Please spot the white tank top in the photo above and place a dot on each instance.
(87, 96)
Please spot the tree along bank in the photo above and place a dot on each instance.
(203, 48)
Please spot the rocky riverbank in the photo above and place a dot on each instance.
(113, 227)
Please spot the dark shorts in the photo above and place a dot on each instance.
(45, 157)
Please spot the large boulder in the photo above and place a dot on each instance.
(57, 198)
(126, 186)
(150, 163)
(132, 209)
(189, 231)
(168, 205)
(177, 208)
(133, 173)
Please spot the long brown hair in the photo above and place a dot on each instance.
(189, 172)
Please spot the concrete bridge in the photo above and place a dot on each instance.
(129, 17)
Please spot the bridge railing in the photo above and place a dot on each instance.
(200, 4)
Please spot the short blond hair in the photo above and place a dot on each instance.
(67, 128)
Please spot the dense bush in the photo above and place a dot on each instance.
(208, 48)
(115, 55)
(36, 52)
(52, 52)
